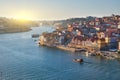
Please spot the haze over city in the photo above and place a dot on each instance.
(57, 9)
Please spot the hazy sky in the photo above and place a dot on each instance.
(57, 9)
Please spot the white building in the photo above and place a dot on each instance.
(119, 26)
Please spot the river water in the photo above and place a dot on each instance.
(22, 59)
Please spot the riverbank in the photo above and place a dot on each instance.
(88, 52)
(14, 26)
(14, 30)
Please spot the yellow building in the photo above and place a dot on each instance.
(101, 43)
(119, 45)
(107, 39)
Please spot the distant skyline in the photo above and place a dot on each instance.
(57, 9)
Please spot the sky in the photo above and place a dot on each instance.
(57, 9)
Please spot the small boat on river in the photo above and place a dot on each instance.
(35, 35)
(78, 60)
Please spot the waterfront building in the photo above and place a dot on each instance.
(101, 44)
(113, 43)
(42, 40)
(119, 45)
(107, 39)
(92, 32)
(88, 42)
(61, 39)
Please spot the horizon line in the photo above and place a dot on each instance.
(98, 16)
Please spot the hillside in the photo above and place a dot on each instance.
(12, 25)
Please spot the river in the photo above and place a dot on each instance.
(22, 59)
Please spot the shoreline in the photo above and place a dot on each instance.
(105, 54)
(15, 31)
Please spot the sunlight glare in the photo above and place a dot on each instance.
(23, 16)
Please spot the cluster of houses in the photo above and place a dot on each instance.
(97, 33)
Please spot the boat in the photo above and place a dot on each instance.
(78, 60)
(35, 35)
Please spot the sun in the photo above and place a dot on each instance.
(23, 16)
